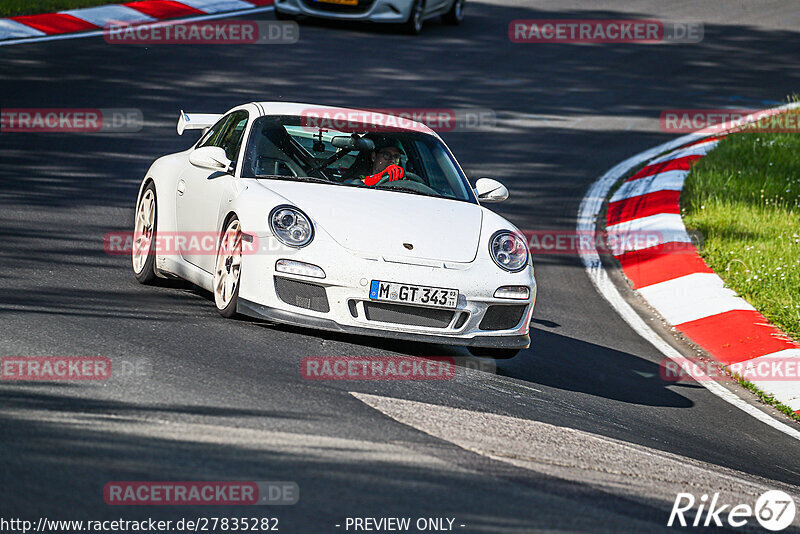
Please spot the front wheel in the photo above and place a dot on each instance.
(497, 354)
(456, 13)
(414, 23)
(228, 269)
(143, 254)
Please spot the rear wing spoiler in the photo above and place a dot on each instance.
(196, 121)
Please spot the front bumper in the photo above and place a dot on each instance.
(479, 320)
(245, 307)
(386, 11)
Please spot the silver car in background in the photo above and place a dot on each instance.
(408, 13)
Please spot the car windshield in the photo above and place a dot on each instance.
(281, 147)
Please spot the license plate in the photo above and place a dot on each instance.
(438, 297)
(340, 2)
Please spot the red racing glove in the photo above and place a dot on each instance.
(394, 172)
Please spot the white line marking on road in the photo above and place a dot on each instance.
(619, 467)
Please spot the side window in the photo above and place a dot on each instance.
(231, 138)
(428, 168)
(211, 137)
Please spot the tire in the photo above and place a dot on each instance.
(279, 15)
(413, 26)
(456, 13)
(497, 354)
(228, 268)
(143, 255)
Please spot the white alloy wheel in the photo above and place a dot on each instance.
(144, 233)
(228, 268)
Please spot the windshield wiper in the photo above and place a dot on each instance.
(404, 190)
(331, 182)
(296, 178)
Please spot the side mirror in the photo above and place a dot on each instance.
(210, 157)
(489, 190)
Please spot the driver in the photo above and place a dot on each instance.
(385, 162)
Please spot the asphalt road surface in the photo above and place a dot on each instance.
(577, 433)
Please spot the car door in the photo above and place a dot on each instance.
(200, 192)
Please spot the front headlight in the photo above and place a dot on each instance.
(508, 250)
(291, 226)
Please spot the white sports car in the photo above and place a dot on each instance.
(409, 13)
(366, 229)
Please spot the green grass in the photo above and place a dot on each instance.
(13, 8)
(744, 197)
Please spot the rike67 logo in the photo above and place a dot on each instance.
(774, 510)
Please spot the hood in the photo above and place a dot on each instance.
(376, 222)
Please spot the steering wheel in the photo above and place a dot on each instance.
(412, 186)
(408, 176)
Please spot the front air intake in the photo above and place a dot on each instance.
(502, 317)
(407, 315)
(302, 294)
